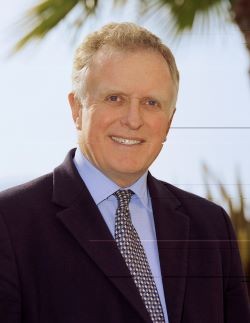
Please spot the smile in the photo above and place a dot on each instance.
(125, 141)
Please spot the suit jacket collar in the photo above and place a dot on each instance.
(106, 187)
(172, 232)
(83, 220)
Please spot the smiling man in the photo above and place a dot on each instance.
(100, 239)
(124, 111)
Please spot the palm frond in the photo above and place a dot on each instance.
(237, 214)
(45, 16)
(176, 16)
(181, 15)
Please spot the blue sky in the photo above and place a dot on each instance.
(36, 130)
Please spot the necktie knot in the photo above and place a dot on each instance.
(123, 197)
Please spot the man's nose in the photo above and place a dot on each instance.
(133, 117)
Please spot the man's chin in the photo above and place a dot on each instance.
(126, 176)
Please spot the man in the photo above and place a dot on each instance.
(100, 239)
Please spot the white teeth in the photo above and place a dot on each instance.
(126, 141)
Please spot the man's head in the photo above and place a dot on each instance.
(125, 37)
(125, 84)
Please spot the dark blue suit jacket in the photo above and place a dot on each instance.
(60, 264)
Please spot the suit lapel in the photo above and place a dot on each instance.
(83, 220)
(172, 231)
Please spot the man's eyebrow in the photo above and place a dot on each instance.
(113, 90)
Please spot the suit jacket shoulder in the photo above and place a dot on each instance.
(207, 219)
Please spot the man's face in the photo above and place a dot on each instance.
(126, 111)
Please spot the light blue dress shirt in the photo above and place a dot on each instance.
(102, 188)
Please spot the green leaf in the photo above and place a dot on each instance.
(45, 16)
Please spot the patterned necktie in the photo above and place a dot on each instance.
(133, 253)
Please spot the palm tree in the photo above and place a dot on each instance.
(237, 212)
(47, 14)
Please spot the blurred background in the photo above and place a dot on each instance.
(208, 147)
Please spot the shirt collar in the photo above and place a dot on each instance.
(106, 187)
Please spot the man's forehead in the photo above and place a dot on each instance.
(146, 62)
(105, 55)
(106, 76)
(108, 52)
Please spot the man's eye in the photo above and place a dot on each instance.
(114, 98)
(152, 103)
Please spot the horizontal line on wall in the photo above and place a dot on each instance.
(210, 127)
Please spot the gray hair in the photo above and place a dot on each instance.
(124, 36)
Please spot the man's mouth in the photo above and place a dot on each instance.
(126, 141)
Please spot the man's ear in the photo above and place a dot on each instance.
(169, 123)
(172, 116)
(76, 110)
